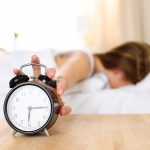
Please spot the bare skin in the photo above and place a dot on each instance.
(73, 69)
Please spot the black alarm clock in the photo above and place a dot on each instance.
(31, 106)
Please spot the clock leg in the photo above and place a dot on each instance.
(14, 132)
(46, 132)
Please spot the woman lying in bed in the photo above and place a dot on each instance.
(123, 65)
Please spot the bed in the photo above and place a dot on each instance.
(88, 97)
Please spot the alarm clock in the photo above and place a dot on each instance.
(31, 106)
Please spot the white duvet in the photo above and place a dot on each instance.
(92, 96)
(129, 99)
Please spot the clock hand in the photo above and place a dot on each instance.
(30, 108)
(29, 113)
(39, 107)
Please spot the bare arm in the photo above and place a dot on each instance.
(74, 69)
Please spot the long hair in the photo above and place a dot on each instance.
(133, 58)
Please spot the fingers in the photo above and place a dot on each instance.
(51, 72)
(36, 69)
(16, 71)
(59, 99)
(65, 110)
(35, 59)
(61, 84)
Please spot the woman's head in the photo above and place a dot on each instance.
(129, 62)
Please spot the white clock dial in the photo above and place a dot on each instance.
(28, 108)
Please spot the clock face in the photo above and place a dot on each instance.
(28, 107)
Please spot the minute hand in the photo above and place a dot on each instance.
(39, 107)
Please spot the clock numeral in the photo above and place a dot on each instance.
(38, 123)
(30, 91)
(23, 93)
(13, 107)
(44, 117)
(29, 124)
(44, 100)
(15, 116)
(21, 122)
(17, 99)
(38, 93)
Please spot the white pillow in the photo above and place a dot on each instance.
(144, 84)
(97, 82)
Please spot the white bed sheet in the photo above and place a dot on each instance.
(89, 97)
(128, 99)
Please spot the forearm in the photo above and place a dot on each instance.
(75, 69)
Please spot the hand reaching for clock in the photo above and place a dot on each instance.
(65, 108)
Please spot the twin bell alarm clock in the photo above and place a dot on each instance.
(31, 106)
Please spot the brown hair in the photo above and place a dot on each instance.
(132, 57)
